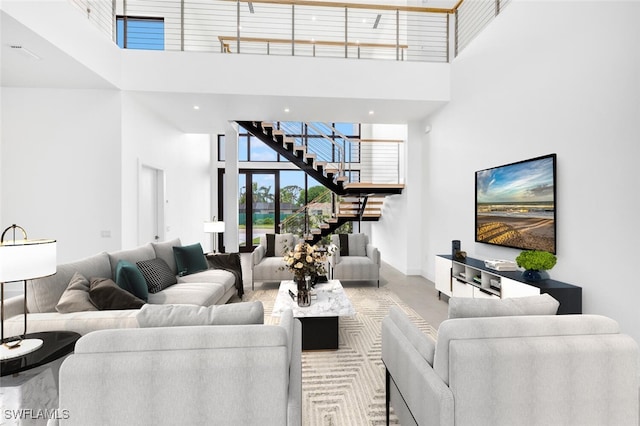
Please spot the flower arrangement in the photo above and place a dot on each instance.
(305, 260)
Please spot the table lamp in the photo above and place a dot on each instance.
(214, 227)
(22, 260)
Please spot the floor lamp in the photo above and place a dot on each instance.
(22, 260)
(214, 227)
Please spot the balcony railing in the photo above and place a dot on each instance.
(304, 27)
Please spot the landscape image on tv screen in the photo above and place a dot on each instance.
(515, 204)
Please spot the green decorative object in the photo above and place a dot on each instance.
(534, 261)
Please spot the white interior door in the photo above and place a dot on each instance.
(150, 205)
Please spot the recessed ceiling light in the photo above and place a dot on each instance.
(196, 107)
(371, 112)
(286, 110)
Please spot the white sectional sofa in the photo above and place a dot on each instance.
(205, 288)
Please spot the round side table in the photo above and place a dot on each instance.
(55, 345)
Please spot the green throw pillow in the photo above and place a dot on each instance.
(130, 278)
(189, 259)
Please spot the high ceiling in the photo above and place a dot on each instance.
(53, 68)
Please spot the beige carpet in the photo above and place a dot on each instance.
(346, 387)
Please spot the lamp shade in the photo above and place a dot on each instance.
(27, 259)
(213, 227)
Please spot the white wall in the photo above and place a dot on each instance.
(549, 77)
(148, 140)
(60, 167)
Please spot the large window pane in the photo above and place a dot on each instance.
(261, 152)
(140, 33)
(243, 148)
(291, 190)
(347, 129)
(263, 191)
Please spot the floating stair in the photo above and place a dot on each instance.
(362, 201)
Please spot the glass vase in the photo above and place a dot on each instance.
(304, 285)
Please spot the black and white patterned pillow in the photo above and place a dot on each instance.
(157, 274)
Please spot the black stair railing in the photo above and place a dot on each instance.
(293, 152)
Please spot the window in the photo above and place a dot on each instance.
(140, 33)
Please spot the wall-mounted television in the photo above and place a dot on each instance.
(516, 204)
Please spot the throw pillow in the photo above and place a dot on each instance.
(190, 259)
(157, 274)
(76, 296)
(106, 295)
(344, 244)
(130, 278)
(271, 245)
(467, 307)
(357, 245)
(282, 243)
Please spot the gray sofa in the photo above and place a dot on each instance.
(192, 375)
(206, 288)
(508, 370)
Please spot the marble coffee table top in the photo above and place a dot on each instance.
(331, 301)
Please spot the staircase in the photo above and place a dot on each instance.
(349, 201)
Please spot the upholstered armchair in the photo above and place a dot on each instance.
(267, 259)
(526, 368)
(354, 258)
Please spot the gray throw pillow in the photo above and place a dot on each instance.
(186, 315)
(357, 245)
(468, 307)
(157, 274)
(76, 296)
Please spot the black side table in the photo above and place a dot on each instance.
(55, 345)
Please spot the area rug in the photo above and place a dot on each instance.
(347, 387)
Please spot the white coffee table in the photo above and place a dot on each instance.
(320, 319)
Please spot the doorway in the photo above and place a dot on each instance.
(257, 206)
(150, 204)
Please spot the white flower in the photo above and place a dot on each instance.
(299, 265)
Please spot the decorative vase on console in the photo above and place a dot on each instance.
(535, 263)
(304, 285)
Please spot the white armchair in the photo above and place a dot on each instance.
(354, 258)
(266, 261)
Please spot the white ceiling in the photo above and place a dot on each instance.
(56, 69)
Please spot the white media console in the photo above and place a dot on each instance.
(471, 278)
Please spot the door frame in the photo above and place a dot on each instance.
(249, 172)
(159, 207)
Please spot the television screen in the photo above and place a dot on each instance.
(516, 204)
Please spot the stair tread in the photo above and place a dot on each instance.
(373, 185)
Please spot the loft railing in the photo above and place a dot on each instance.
(472, 17)
(288, 27)
(304, 27)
